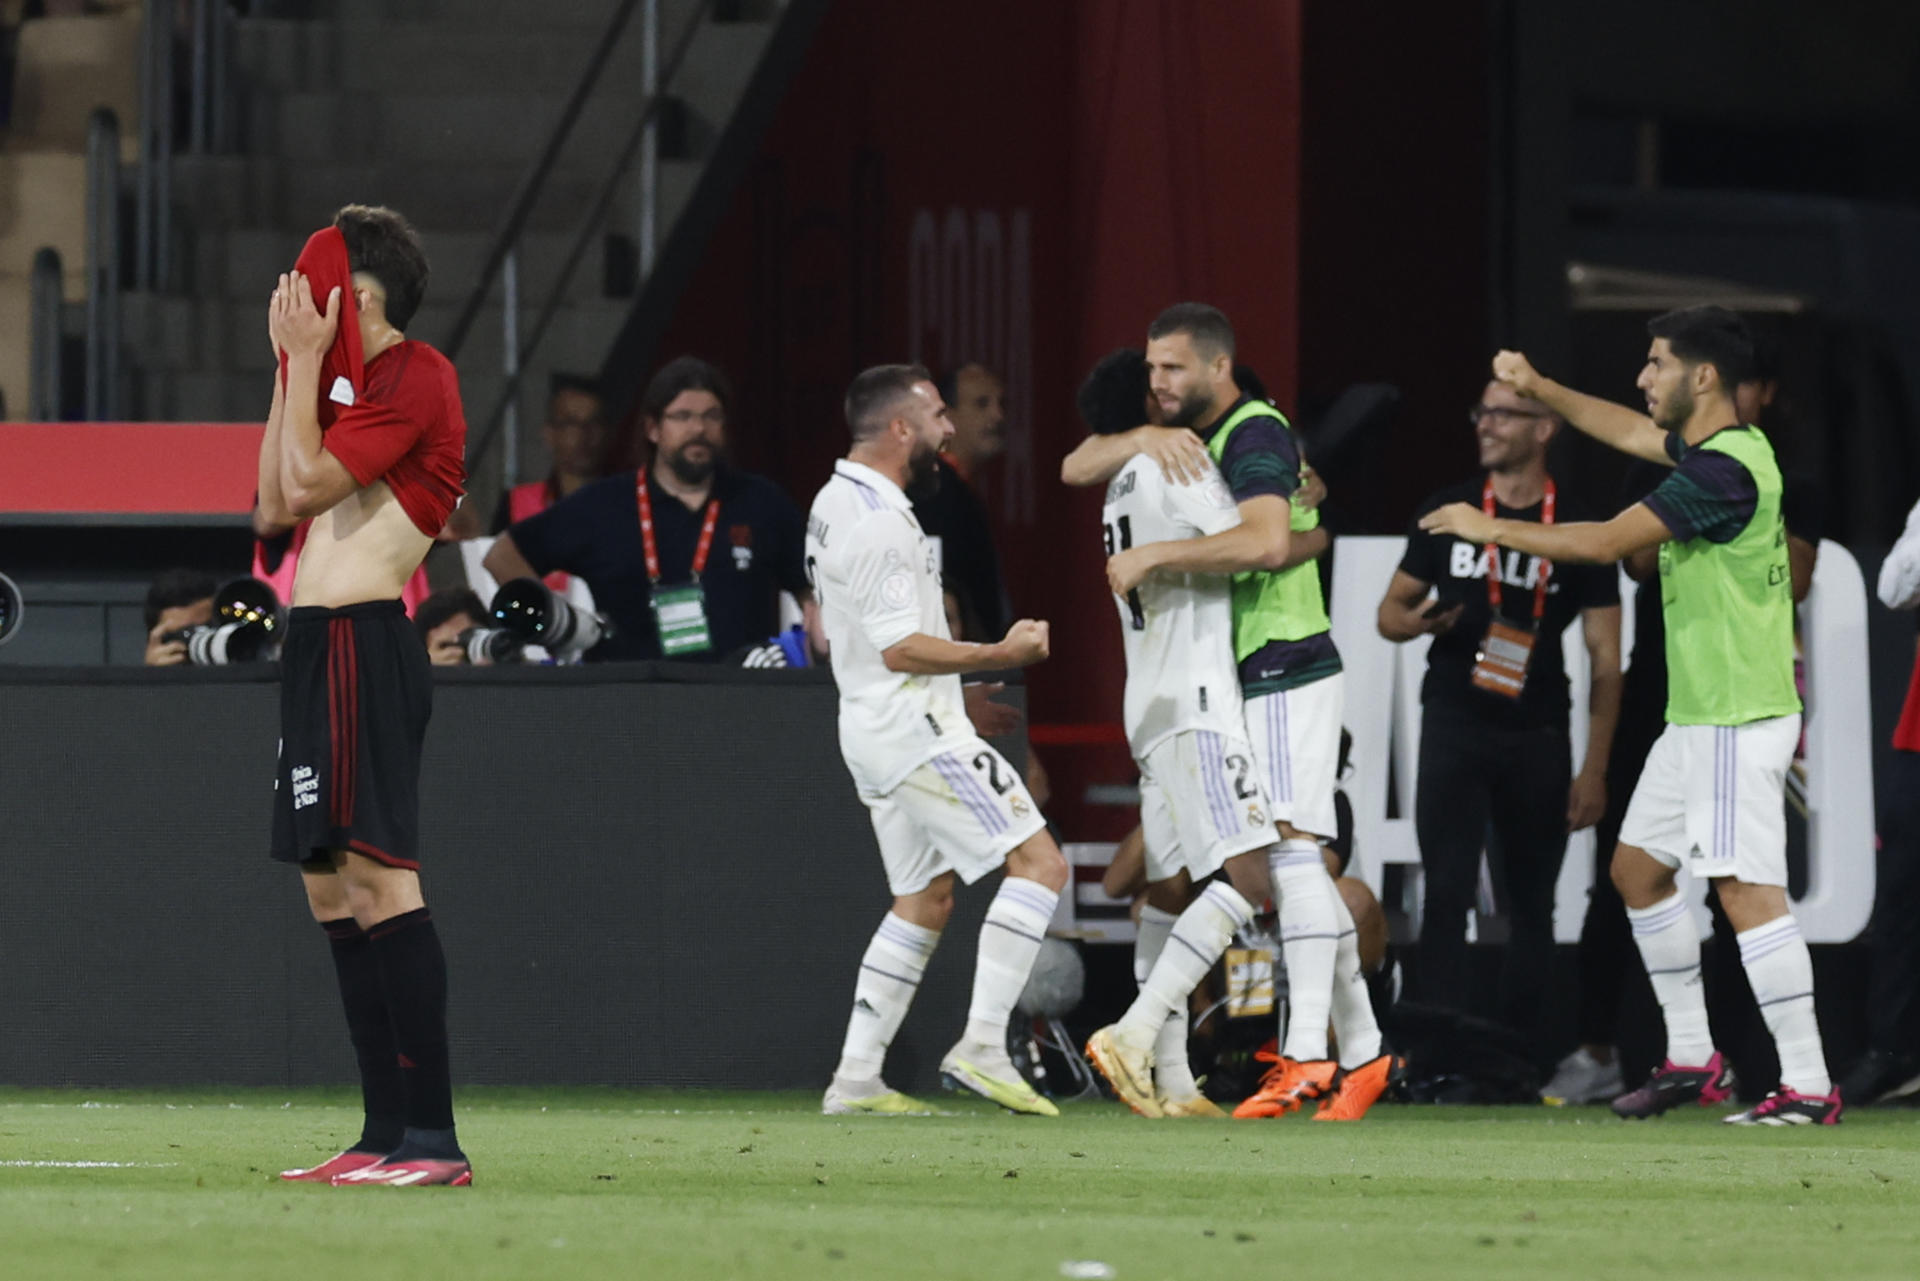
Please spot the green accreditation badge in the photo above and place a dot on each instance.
(680, 617)
(679, 613)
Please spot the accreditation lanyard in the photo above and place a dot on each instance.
(1493, 554)
(679, 613)
(1501, 665)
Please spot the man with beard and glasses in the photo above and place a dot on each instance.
(943, 803)
(1710, 795)
(686, 556)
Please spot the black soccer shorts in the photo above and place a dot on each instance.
(356, 691)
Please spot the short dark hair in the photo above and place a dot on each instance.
(1709, 335)
(585, 384)
(1206, 326)
(176, 587)
(449, 602)
(1113, 399)
(1249, 382)
(948, 381)
(874, 392)
(383, 244)
(683, 374)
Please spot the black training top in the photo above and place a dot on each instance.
(953, 513)
(594, 533)
(1458, 570)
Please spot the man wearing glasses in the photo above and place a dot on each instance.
(1494, 742)
(686, 555)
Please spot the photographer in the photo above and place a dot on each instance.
(177, 600)
(687, 556)
(1494, 744)
(443, 619)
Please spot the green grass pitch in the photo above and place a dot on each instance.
(602, 1183)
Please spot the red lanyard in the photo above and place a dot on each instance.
(1493, 554)
(700, 550)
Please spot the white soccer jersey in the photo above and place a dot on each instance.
(877, 581)
(1178, 627)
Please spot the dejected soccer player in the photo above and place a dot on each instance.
(365, 440)
(1710, 796)
(943, 803)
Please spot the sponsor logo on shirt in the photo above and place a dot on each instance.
(1468, 561)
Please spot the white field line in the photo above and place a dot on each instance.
(89, 1165)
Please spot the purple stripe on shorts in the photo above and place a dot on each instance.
(1285, 750)
(982, 803)
(1215, 782)
(1733, 791)
(968, 789)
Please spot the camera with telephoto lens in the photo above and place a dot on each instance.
(487, 646)
(539, 616)
(12, 607)
(246, 624)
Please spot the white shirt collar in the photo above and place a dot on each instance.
(861, 474)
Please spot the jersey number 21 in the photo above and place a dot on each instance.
(1120, 540)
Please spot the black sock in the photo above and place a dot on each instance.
(382, 1091)
(413, 970)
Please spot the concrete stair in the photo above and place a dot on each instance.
(438, 108)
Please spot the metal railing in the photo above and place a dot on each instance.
(44, 375)
(208, 37)
(103, 266)
(519, 354)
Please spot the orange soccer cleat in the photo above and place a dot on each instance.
(1357, 1089)
(1288, 1084)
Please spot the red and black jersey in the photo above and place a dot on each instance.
(407, 428)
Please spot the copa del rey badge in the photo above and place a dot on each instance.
(341, 392)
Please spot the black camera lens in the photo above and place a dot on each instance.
(538, 616)
(484, 646)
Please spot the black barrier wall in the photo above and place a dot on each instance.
(638, 883)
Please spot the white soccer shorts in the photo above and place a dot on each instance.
(963, 811)
(1713, 797)
(1296, 739)
(1201, 803)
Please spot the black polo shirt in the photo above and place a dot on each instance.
(594, 533)
(1458, 572)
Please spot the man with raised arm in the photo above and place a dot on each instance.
(1710, 796)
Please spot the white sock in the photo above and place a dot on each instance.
(1172, 1070)
(1353, 1021)
(1309, 940)
(1199, 937)
(1155, 925)
(1010, 938)
(889, 976)
(1781, 971)
(1670, 948)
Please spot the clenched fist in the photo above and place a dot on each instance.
(1027, 642)
(1516, 371)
